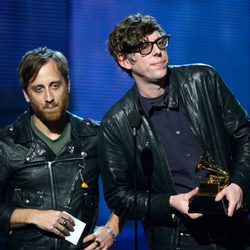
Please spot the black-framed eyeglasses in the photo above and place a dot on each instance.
(146, 48)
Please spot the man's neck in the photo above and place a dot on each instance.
(52, 130)
(152, 90)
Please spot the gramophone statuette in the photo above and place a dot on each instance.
(217, 179)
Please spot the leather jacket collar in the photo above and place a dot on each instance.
(22, 132)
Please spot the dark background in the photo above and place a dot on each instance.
(212, 32)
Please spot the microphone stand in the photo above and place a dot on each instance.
(135, 189)
(147, 161)
(134, 119)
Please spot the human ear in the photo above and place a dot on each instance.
(123, 61)
(26, 96)
(68, 86)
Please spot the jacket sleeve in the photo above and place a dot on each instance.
(5, 209)
(116, 163)
(237, 126)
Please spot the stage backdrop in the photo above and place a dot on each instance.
(212, 32)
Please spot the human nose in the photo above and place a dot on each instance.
(48, 96)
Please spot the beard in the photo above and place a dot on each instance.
(49, 117)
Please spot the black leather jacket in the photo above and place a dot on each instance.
(217, 120)
(33, 177)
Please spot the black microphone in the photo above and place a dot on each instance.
(134, 119)
(147, 162)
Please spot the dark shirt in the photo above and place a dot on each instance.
(179, 143)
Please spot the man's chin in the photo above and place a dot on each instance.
(52, 118)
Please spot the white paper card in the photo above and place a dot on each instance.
(78, 229)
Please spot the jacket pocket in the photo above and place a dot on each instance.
(25, 236)
(27, 198)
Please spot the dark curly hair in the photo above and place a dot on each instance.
(33, 61)
(131, 31)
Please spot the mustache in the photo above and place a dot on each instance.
(50, 105)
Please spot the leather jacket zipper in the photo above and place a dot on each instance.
(73, 186)
(52, 184)
(51, 177)
(52, 194)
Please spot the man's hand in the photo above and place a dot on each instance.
(234, 194)
(52, 221)
(100, 239)
(180, 202)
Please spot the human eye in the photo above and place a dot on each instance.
(55, 85)
(145, 47)
(162, 42)
(38, 89)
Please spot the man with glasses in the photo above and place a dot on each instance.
(153, 137)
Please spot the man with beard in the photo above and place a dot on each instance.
(49, 164)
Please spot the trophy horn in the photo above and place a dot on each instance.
(221, 176)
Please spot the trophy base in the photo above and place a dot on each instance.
(206, 204)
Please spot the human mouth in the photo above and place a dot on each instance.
(51, 108)
(160, 63)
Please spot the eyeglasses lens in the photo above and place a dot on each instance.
(147, 47)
